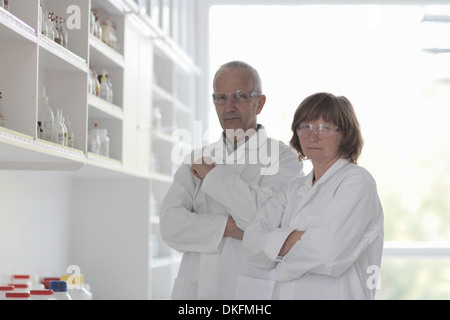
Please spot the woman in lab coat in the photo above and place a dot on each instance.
(323, 233)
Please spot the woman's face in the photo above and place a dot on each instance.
(320, 145)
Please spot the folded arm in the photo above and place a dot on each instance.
(181, 227)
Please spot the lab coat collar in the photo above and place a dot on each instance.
(259, 133)
(340, 163)
(250, 145)
(306, 189)
(307, 182)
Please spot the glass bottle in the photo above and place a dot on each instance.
(110, 89)
(70, 142)
(55, 30)
(63, 32)
(104, 142)
(96, 83)
(98, 27)
(2, 112)
(49, 24)
(92, 22)
(60, 129)
(46, 118)
(106, 27)
(94, 139)
(59, 39)
(43, 22)
(104, 88)
(114, 39)
(91, 83)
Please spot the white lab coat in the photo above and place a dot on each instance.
(339, 255)
(194, 214)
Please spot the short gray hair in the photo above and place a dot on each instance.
(242, 65)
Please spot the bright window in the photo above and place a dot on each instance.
(374, 55)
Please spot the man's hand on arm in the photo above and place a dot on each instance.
(232, 230)
(200, 170)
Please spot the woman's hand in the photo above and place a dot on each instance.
(290, 241)
(232, 230)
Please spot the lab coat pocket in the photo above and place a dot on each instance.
(254, 289)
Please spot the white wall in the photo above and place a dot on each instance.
(110, 235)
(52, 219)
(34, 211)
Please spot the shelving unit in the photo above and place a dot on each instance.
(173, 98)
(111, 207)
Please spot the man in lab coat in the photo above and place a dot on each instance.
(217, 191)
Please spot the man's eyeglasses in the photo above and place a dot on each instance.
(238, 96)
(324, 130)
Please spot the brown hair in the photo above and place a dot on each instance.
(334, 109)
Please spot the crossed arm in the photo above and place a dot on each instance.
(200, 170)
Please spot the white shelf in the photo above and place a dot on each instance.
(58, 61)
(104, 109)
(161, 94)
(104, 55)
(180, 106)
(103, 185)
(13, 29)
(66, 57)
(170, 49)
(163, 135)
(113, 7)
(22, 152)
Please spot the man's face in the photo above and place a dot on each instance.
(232, 114)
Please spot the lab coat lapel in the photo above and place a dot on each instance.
(304, 192)
(218, 150)
(307, 190)
(252, 147)
(249, 147)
